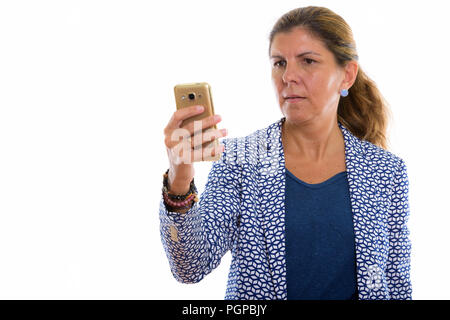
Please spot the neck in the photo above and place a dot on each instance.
(313, 141)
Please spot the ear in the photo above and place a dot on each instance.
(350, 73)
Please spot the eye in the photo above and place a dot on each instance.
(280, 63)
(309, 61)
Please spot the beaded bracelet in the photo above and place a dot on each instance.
(165, 189)
(181, 204)
(178, 201)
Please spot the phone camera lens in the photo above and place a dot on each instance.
(191, 96)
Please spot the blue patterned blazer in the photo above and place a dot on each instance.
(242, 209)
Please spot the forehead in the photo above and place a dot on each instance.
(295, 41)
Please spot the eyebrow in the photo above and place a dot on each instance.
(298, 56)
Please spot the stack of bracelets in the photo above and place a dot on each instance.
(173, 201)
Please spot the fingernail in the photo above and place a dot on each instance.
(200, 108)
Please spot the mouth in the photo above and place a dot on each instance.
(293, 99)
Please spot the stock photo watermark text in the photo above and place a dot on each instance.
(246, 310)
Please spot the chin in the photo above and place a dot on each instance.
(295, 115)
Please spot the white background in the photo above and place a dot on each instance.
(86, 88)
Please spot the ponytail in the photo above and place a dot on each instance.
(364, 111)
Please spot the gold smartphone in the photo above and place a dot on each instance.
(199, 93)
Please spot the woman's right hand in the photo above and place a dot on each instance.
(184, 146)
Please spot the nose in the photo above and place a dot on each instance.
(291, 73)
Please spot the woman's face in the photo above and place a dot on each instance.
(304, 68)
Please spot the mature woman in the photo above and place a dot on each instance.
(311, 207)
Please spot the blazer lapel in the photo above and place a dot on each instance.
(362, 198)
(271, 183)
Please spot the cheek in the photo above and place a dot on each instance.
(277, 81)
(323, 85)
(332, 83)
(276, 75)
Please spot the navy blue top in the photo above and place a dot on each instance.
(320, 241)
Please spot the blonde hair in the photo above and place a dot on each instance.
(364, 111)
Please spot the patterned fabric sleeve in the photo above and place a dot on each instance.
(398, 265)
(196, 241)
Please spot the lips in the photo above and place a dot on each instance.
(293, 96)
(293, 99)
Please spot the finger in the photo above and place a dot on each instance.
(176, 136)
(193, 130)
(210, 152)
(182, 114)
(203, 138)
(203, 124)
(182, 153)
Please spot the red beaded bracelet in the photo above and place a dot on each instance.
(183, 203)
